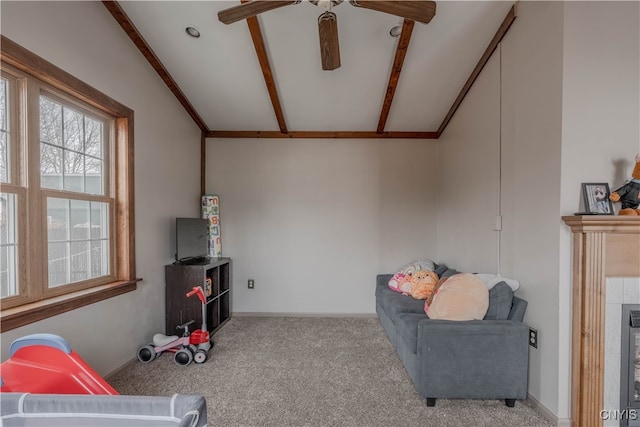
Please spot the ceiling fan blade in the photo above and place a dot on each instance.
(329, 46)
(415, 10)
(247, 10)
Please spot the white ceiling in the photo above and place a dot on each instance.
(220, 75)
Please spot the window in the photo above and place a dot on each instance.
(74, 160)
(66, 171)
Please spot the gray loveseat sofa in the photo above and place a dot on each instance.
(478, 359)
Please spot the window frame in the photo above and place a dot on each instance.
(35, 145)
(35, 76)
(16, 179)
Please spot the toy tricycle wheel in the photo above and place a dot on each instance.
(147, 353)
(200, 356)
(183, 357)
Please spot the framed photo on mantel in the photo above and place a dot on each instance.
(596, 199)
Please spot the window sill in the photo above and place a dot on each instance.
(20, 316)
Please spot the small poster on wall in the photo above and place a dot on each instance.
(211, 211)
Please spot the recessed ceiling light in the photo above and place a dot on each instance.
(396, 30)
(193, 31)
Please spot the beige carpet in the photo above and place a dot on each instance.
(286, 371)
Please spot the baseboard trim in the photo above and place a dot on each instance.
(286, 314)
(546, 413)
(120, 368)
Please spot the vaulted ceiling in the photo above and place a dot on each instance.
(223, 82)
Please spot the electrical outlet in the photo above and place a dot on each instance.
(251, 283)
(533, 338)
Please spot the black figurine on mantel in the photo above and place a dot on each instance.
(629, 194)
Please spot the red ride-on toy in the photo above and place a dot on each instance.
(187, 348)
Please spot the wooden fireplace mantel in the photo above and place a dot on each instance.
(603, 246)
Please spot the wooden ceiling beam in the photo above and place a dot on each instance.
(256, 34)
(127, 25)
(203, 163)
(401, 52)
(320, 134)
(263, 59)
(497, 38)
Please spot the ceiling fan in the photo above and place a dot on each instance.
(416, 10)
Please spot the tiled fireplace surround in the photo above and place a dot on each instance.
(618, 291)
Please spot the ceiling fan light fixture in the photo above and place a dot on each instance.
(325, 4)
(192, 31)
(395, 31)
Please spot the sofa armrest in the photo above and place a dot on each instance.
(473, 359)
(383, 279)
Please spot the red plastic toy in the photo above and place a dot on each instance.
(45, 363)
(200, 338)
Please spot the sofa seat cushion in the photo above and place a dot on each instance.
(407, 328)
(394, 303)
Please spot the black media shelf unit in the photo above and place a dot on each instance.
(182, 278)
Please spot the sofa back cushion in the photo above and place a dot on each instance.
(461, 297)
(444, 271)
(500, 301)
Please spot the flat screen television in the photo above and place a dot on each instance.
(192, 238)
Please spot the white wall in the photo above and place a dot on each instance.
(83, 39)
(314, 221)
(600, 125)
(468, 178)
(531, 141)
